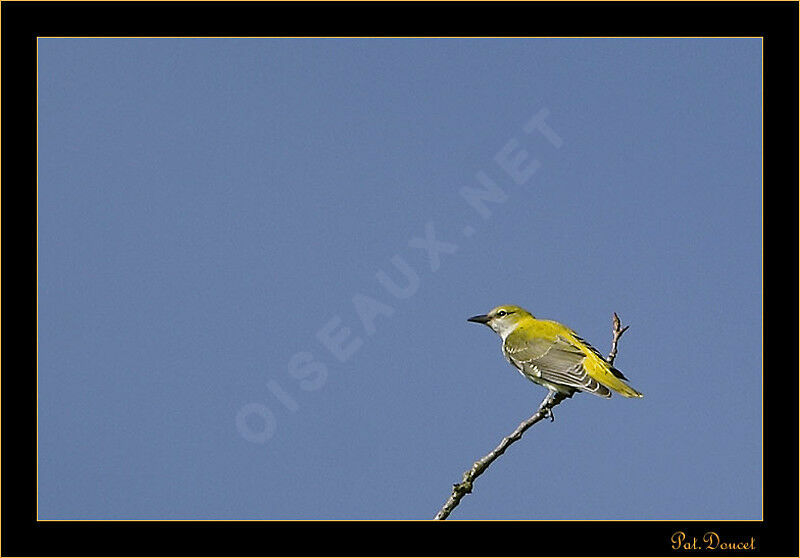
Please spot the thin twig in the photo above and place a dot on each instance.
(617, 332)
(465, 486)
(545, 409)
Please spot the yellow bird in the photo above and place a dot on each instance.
(552, 355)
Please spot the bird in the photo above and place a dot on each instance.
(554, 356)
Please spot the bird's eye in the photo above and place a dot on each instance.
(502, 313)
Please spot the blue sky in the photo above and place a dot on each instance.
(257, 257)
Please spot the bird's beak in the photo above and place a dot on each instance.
(482, 319)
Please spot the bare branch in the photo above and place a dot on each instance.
(465, 486)
(617, 330)
(545, 409)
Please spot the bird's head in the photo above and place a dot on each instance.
(503, 319)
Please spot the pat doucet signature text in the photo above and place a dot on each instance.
(710, 541)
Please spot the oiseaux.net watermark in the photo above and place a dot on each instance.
(307, 371)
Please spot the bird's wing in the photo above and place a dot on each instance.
(557, 361)
(589, 346)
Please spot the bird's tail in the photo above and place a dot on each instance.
(624, 389)
(612, 378)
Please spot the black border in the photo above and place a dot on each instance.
(22, 22)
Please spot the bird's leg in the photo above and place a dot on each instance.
(546, 407)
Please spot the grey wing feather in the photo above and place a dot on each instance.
(560, 363)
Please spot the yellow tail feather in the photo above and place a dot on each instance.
(600, 370)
